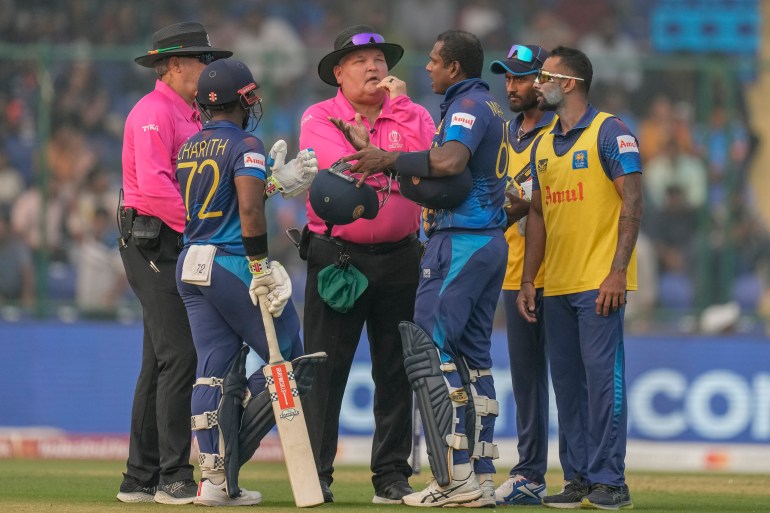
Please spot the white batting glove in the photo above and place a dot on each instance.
(291, 178)
(280, 295)
(262, 280)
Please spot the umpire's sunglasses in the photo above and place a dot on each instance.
(546, 76)
(365, 38)
(205, 58)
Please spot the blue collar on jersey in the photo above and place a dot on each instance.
(586, 120)
(462, 88)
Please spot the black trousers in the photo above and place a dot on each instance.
(388, 299)
(159, 447)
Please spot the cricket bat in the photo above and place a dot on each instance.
(290, 419)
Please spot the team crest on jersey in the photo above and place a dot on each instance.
(542, 166)
(580, 159)
(463, 119)
(627, 144)
(253, 159)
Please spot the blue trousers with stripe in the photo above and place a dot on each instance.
(222, 317)
(529, 379)
(587, 360)
(461, 276)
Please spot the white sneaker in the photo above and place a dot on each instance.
(517, 490)
(457, 492)
(210, 494)
(487, 499)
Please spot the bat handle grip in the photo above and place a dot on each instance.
(272, 338)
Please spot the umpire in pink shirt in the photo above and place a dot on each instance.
(152, 217)
(385, 249)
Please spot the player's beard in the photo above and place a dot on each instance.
(551, 99)
(525, 104)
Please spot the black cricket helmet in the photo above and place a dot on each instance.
(336, 199)
(437, 193)
(225, 82)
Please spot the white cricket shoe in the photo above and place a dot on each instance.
(487, 499)
(210, 494)
(456, 492)
(517, 490)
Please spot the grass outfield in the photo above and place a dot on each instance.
(90, 486)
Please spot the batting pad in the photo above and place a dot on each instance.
(435, 399)
(230, 412)
(258, 418)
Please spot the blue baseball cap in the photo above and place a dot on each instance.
(521, 60)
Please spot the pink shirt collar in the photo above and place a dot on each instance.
(187, 110)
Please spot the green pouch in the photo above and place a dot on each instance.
(340, 285)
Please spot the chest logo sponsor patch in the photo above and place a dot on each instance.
(542, 166)
(627, 144)
(580, 159)
(253, 159)
(463, 119)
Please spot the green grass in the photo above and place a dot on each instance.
(90, 486)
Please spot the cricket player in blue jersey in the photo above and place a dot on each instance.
(582, 227)
(447, 349)
(224, 270)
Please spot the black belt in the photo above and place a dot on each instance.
(372, 249)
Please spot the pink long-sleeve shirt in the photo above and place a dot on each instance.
(401, 126)
(155, 129)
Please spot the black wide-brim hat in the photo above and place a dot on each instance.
(343, 45)
(186, 38)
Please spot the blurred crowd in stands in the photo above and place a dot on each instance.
(68, 80)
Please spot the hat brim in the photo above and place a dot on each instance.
(392, 51)
(149, 60)
(503, 67)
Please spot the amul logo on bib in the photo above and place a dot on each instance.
(463, 119)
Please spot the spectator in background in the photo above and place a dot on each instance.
(616, 55)
(266, 42)
(418, 21)
(17, 277)
(724, 145)
(675, 167)
(675, 230)
(101, 279)
(660, 125)
(11, 182)
(548, 30)
(39, 219)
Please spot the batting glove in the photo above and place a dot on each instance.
(280, 295)
(262, 279)
(291, 178)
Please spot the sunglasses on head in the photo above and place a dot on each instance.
(366, 39)
(524, 54)
(546, 76)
